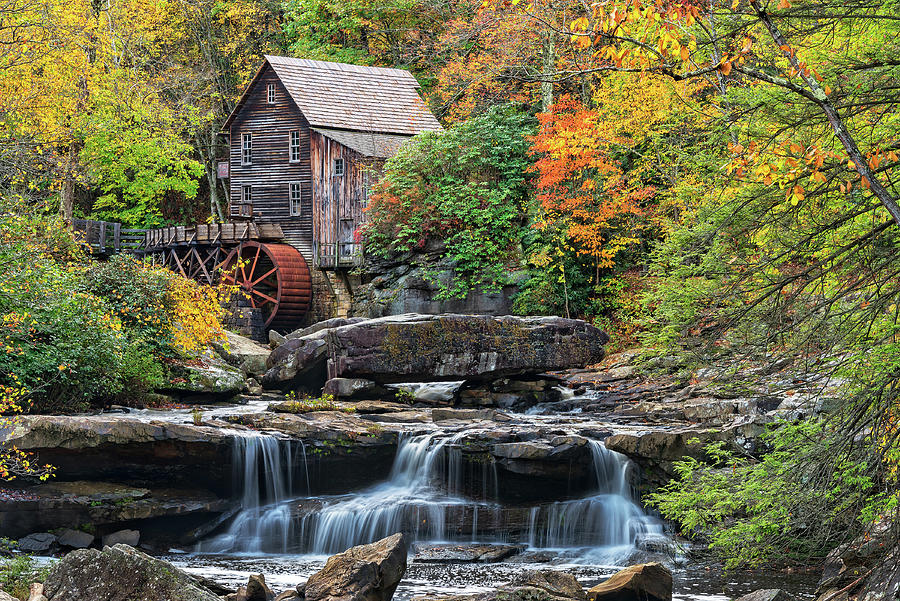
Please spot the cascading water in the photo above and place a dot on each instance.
(412, 500)
(424, 497)
(610, 518)
(263, 473)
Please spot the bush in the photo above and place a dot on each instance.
(463, 191)
(75, 333)
(17, 574)
(169, 314)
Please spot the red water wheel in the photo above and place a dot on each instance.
(275, 278)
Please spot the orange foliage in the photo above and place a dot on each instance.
(581, 187)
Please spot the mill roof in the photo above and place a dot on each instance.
(341, 96)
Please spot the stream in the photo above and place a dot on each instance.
(287, 534)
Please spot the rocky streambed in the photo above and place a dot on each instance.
(489, 461)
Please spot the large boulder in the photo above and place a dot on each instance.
(417, 348)
(642, 582)
(364, 573)
(120, 573)
(297, 362)
(246, 354)
(427, 348)
(209, 376)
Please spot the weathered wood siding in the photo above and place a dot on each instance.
(271, 170)
(338, 201)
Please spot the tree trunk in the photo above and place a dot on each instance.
(548, 70)
(67, 188)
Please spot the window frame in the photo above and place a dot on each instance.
(246, 194)
(291, 146)
(334, 167)
(270, 93)
(299, 187)
(246, 148)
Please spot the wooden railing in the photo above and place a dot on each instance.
(210, 234)
(107, 237)
(336, 255)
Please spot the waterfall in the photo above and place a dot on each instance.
(428, 495)
(608, 518)
(418, 498)
(263, 468)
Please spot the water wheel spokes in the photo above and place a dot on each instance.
(274, 278)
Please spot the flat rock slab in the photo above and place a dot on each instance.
(466, 553)
(413, 347)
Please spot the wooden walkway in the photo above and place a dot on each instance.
(109, 238)
(195, 251)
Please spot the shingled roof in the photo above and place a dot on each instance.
(352, 97)
(368, 144)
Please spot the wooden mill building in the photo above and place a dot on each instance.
(306, 140)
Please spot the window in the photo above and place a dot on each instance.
(246, 194)
(295, 196)
(338, 167)
(270, 93)
(246, 149)
(294, 147)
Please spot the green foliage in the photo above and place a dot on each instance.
(463, 192)
(781, 507)
(308, 404)
(17, 573)
(76, 333)
(135, 165)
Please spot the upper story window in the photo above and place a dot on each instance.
(294, 147)
(270, 93)
(338, 167)
(246, 149)
(294, 198)
(246, 194)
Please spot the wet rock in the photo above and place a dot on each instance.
(276, 339)
(378, 407)
(642, 582)
(522, 450)
(257, 590)
(414, 347)
(289, 595)
(544, 584)
(253, 387)
(767, 594)
(106, 505)
(34, 432)
(75, 539)
(39, 542)
(364, 573)
(125, 537)
(120, 572)
(465, 553)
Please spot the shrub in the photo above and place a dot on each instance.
(463, 191)
(170, 314)
(309, 404)
(17, 574)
